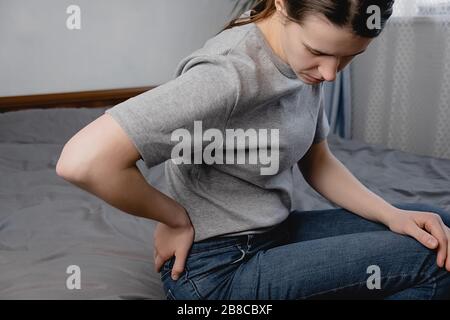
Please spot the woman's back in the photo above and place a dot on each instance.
(234, 82)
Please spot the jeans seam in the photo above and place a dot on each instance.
(169, 295)
(433, 293)
(199, 296)
(357, 283)
(165, 273)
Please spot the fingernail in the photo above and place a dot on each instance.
(175, 277)
(432, 241)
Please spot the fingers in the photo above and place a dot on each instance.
(447, 232)
(178, 266)
(434, 226)
(422, 236)
(158, 262)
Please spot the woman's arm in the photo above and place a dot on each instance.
(101, 159)
(328, 176)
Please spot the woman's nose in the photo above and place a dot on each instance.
(329, 67)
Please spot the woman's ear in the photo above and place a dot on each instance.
(279, 5)
(281, 12)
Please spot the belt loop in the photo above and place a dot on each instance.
(248, 241)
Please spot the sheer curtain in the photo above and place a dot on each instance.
(401, 86)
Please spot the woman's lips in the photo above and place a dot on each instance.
(316, 78)
(311, 78)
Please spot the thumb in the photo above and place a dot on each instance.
(178, 266)
(424, 237)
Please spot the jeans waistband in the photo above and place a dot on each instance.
(250, 240)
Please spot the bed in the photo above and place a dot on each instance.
(48, 224)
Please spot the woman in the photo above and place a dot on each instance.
(228, 231)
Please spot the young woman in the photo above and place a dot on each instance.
(228, 231)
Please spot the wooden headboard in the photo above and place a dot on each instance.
(82, 99)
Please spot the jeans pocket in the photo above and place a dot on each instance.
(167, 265)
(210, 271)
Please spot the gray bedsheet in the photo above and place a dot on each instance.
(47, 224)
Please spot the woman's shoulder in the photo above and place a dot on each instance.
(233, 48)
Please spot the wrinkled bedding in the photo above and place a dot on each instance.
(47, 224)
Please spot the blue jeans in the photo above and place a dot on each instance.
(318, 254)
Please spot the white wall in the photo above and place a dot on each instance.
(121, 43)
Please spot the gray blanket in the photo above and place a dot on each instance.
(47, 224)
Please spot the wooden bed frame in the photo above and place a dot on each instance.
(82, 99)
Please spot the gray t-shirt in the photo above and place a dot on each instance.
(234, 81)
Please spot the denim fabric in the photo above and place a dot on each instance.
(318, 254)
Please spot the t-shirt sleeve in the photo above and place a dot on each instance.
(322, 127)
(206, 91)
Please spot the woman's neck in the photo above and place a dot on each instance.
(271, 31)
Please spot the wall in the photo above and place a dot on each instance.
(121, 43)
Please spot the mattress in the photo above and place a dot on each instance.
(48, 226)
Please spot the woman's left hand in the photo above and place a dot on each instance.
(427, 228)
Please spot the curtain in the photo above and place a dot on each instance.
(338, 104)
(401, 86)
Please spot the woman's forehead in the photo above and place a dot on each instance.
(321, 35)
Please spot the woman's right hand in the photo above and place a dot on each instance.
(173, 241)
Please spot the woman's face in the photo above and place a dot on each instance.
(317, 50)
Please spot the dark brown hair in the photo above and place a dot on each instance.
(342, 13)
